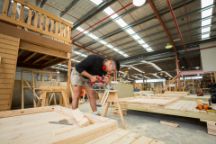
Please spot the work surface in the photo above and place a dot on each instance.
(179, 106)
(55, 124)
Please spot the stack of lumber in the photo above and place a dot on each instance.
(55, 124)
(175, 93)
(144, 93)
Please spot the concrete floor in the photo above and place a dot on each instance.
(191, 131)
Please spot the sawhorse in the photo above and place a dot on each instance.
(111, 97)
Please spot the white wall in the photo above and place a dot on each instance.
(208, 56)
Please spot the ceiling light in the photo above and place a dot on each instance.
(168, 46)
(205, 3)
(149, 49)
(108, 11)
(205, 36)
(130, 31)
(74, 60)
(80, 54)
(97, 2)
(206, 29)
(145, 45)
(121, 23)
(139, 3)
(136, 37)
(207, 13)
(206, 22)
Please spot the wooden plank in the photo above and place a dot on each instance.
(35, 20)
(14, 9)
(6, 86)
(21, 17)
(6, 91)
(13, 113)
(33, 38)
(5, 7)
(7, 66)
(42, 50)
(7, 37)
(4, 102)
(39, 59)
(8, 56)
(7, 71)
(7, 46)
(29, 20)
(171, 124)
(4, 107)
(6, 81)
(8, 61)
(110, 137)
(4, 96)
(7, 41)
(8, 51)
(7, 76)
(29, 57)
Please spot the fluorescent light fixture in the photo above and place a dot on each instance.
(205, 36)
(74, 60)
(205, 3)
(151, 81)
(206, 22)
(145, 45)
(109, 11)
(139, 3)
(204, 14)
(97, 2)
(80, 54)
(149, 49)
(100, 41)
(206, 29)
(121, 23)
(141, 41)
(130, 31)
(103, 42)
(136, 37)
(156, 67)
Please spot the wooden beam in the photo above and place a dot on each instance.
(41, 58)
(29, 57)
(43, 50)
(33, 38)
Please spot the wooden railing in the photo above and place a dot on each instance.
(33, 18)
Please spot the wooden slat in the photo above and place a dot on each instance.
(52, 27)
(8, 56)
(39, 59)
(4, 97)
(4, 107)
(21, 17)
(29, 21)
(7, 66)
(6, 91)
(36, 20)
(8, 61)
(6, 86)
(29, 57)
(4, 102)
(41, 22)
(6, 81)
(5, 7)
(33, 38)
(47, 24)
(7, 71)
(8, 51)
(7, 76)
(6, 37)
(14, 9)
(8, 42)
(42, 50)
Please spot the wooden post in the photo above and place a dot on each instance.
(5, 7)
(69, 76)
(22, 91)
